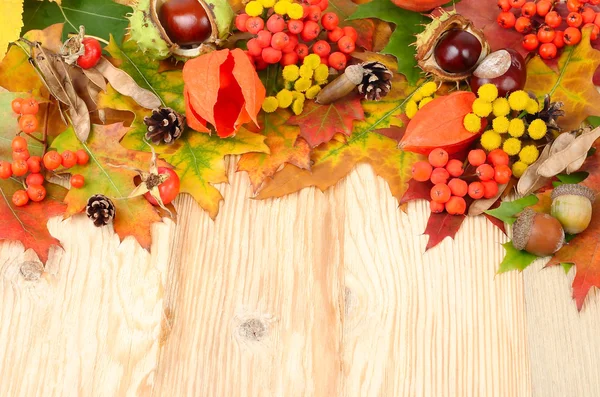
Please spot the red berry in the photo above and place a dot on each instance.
(458, 187)
(22, 155)
(438, 157)
(289, 58)
(476, 190)
(502, 174)
(295, 26)
(19, 167)
(523, 25)
(574, 19)
(456, 206)
(588, 15)
(436, 207)
(490, 189)
(313, 2)
(323, 5)
(20, 198)
(322, 48)
(34, 179)
(530, 42)
(543, 7)
(260, 64)
(276, 23)
(548, 51)
(264, 38)
(34, 163)
(572, 36)
(506, 19)
(559, 39)
(18, 144)
(574, 5)
(255, 25)
(529, 9)
(498, 157)
(553, 19)
(546, 34)
(440, 193)
(439, 175)
(291, 45)
(421, 171)
(485, 172)
(311, 31)
(314, 13)
(337, 60)
(476, 157)
(91, 55)
(82, 157)
(335, 34)
(30, 106)
(52, 160)
(69, 159)
(504, 5)
(330, 20)
(16, 105)
(350, 32)
(77, 181)
(271, 56)
(36, 193)
(240, 22)
(28, 123)
(5, 170)
(254, 47)
(279, 41)
(455, 168)
(595, 30)
(302, 51)
(346, 44)
(517, 3)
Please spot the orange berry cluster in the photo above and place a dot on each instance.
(22, 164)
(26, 108)
(449, 190)
(545, 29)
(52, 160)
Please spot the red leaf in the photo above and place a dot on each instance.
(440, 226)
(27, 224)
(417, 191)
(319, 123)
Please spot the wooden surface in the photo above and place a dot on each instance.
(316, 294)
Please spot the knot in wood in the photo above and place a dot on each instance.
(31, 270)
(253, 329)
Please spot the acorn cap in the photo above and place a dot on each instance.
(522, 228)
(573, 189)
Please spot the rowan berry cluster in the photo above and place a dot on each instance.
(286, 32)
(26, 109)
(450, 184)
(545, 29)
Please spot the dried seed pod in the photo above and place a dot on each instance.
(446, 39)
(539, 234)
(530, 181)
(343, 85)
(558, 162)
(478, 207)
(572, 206)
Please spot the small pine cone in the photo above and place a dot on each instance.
(165, 125)
(376, 82)
(100, 210)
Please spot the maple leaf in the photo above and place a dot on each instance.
(284, 148)
(508, 210)
(364, 27)
(334, 160)
(515, 259)
(11, 11)
(319, 123)
(440, 226)
(198, 159)
(483, 14)
(134, 216)
(584, 249)
(571, 83)
(417, 191)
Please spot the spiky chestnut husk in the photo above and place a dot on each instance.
(434, 32)
(152, 38)
(572, 206)
(537, 233)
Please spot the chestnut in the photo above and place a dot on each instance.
(572, 206)
(457, 51)
(185, 22)
(504, 68)
(537, 233)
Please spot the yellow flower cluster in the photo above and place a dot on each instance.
(256, 8)
(483, 106)
(420, 98)
(301, 83)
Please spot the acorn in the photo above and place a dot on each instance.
(450, 47)
(572, 206)
(537, 233)
(180, 28)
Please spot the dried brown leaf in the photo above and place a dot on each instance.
(559, 161)
(480, 206)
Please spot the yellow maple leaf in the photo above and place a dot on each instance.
(12, 17)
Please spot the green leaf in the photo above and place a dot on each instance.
(515, 259)
(100, 17)
(508, 209)
(566, 267)
(571, 179)
(594, 121)
(408, 24)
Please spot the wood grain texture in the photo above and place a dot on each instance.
(316, 294)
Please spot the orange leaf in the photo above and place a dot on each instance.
(223, 89)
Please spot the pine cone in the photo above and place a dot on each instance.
(550, 113)
(100, 210)
(165, 125)
(376, 81)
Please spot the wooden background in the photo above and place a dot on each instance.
(316, 294)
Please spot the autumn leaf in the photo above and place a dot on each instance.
(101, 18)
(284, 148)
(515, 259)
(508, 210)
(12, 23)
(584, 250)
(571, 83)
(417, 191)
(319, 123)
(408, 24)
(483, 14)
(364, 27)
(440, 226)
(197, 158)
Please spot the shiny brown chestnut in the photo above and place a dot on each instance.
(185, 22)
(504, 68)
